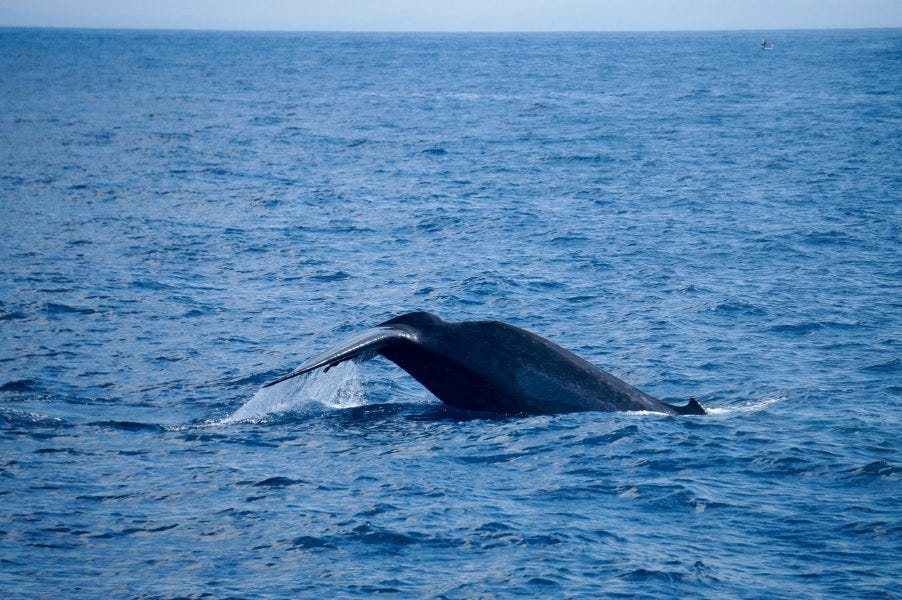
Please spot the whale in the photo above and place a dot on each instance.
(491, 366)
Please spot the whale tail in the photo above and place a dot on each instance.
(441, 356)
(691, 408)
(358, 347)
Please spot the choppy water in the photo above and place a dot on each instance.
(187, 215)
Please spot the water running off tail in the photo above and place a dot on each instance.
(339, 387)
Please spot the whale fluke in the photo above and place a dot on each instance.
(361, 345)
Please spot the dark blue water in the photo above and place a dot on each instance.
(187, 215)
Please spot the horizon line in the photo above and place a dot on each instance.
(440, 31)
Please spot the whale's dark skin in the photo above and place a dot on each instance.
(493, 366)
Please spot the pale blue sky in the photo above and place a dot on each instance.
(460, 15)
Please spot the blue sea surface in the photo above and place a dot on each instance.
(187, 215)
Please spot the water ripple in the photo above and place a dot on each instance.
(188, 215)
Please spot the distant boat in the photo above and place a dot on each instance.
(765, 45)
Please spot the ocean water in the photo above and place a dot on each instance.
(187, 215)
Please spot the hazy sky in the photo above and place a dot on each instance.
(454, 15)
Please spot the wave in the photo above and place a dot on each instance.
(750, 406)
(12, 417)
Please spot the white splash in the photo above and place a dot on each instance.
(747, 407)
(646, 413)
(340, 387)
